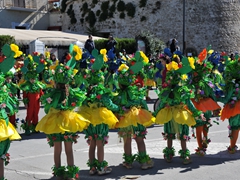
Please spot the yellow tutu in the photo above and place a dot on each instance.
(150, 82)
(178, 113)
(8, 132)
(98, 115)
(59, 121)
(136, 116)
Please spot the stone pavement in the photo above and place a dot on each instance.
(32, 159)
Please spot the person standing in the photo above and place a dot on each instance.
(173, 46)
(111, 43)
(89, 44)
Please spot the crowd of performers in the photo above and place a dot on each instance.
(92, 93)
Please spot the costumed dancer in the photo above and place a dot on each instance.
(149, 81)
(176, 110)
(61, 123)
(97, 108)
(13, 88)
(133, 116)
(231, 100)
(32, 90)
(204, 99)
(7, 106)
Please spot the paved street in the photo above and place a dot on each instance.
(31, 158)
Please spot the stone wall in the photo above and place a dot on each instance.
(214, 22)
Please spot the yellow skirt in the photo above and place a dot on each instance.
(98, 116)
(178, 113)
(136, 116)
(59, 121)
(8, 132)
(150, 82)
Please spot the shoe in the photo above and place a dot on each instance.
(232, 150)
(200, 152)
(127, 165)
(104, 171)
(187, 160)
(93, 171)
(147, 165)
(168, 160)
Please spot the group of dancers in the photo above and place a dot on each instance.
(92, 93)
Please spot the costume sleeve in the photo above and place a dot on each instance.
(227, 96)
(107, 102)
(25, 98)
(192, 108)
(41, 92)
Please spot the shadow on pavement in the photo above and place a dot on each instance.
(33, 136)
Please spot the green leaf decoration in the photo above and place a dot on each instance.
(236, 56)
(7, 64)
(209, 48)
(71, 48)
(186, 68)
(137, 56)
(226, 59)
(137, 67)
(6, 49)
(98, 63)
(139, 63)
(95, 53)
(71, 63)
(24, 69)
(40, 66)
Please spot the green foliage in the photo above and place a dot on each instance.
(122, 15)
(6, 39)
(143, 18)
(112, 8)
(98, 12)
(142, 3)
(85, 7)
(105, 6)
(91, 18)
(71, 14)
(93, 31)
(94, 1)
(63, 6)
(152, 43)
(130, 8)
(125, 43)
(121, 6)
(103, 16)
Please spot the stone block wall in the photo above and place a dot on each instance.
(207, 22)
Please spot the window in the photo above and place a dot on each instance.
(19, 3)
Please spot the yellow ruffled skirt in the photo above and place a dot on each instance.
(59, 121)
(178, 113)
(8, 132)
(150, 82)
(98, 115)
(136, 116)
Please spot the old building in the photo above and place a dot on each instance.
(197, 22)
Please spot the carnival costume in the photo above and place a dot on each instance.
(8, 104)
(61, 123)
(32, 90)
(13, 88)
(133, 116)
(176, 110)
(231, 100)
(204, 79)
(97, 108)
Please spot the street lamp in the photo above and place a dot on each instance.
(184, 43)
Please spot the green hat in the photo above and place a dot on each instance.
(63, 74)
